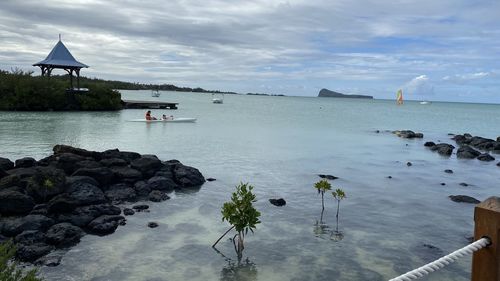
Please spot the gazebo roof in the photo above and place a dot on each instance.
(60, 57)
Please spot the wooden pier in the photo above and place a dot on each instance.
(148, 104)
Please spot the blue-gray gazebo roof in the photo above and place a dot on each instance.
(60, 57)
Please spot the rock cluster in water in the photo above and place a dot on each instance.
(408, 134)
(469, 147)
(53, 202)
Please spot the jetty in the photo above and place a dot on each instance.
(127, 104)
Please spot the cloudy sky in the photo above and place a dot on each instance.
(437, 50)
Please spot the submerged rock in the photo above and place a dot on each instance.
(278, 202)
(105, 225)
(158, 196)
(152, 224)
(408, 134)
(140, 208)
(464, 199)
(328, 177)
(448, 171)
(485, 157)
(128, 212)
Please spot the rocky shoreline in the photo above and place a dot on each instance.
(51, 203)
(469, 147)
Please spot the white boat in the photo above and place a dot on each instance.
(218, 99)
(174, 120)
(155, 93)
(425, 102)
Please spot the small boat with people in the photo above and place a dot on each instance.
(155, 93)
(218, 99)
(165, 119)
(173, 120)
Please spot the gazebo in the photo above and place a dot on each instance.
(60, 57)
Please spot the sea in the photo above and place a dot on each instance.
(395, 217)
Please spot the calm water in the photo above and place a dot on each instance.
(279, 145)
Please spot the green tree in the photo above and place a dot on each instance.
(339, 195)
(241, 214)
(9, 270)
(322, 186)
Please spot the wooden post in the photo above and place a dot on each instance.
(486, 262)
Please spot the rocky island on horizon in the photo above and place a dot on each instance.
(331, 94)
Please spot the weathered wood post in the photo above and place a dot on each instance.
(486, 262)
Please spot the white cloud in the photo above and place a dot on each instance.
(420, 86)
(237, 45)
(464, 78)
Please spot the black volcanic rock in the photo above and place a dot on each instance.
(485, 157)
(278, 202)
(429, 144)
(443, 149)
(448, 171)
(31, 252)
(186, 176)
(104, 176)
(64, 235)
(147, 165)
(464, 199)
(467, 152)
(25, 162)
(105, 225)
(29, 222)
(51, 203)
(15, 203)
(158, 196)
(6, 164)
(332, 94)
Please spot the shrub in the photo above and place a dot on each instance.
(9, 270)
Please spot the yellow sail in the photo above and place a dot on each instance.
(399, 97)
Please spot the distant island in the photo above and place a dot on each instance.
(332, 94)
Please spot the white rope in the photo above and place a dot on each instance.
(444, 261)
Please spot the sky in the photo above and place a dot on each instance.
(445, 50)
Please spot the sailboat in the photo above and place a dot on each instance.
(425, 102)
(399, 97)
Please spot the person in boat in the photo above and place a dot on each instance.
(165, 117)
(148, 116)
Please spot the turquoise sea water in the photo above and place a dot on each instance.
(279, 145)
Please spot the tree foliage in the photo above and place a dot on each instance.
(20, 90)
(9, 270)
(240, 211)
(322, 186)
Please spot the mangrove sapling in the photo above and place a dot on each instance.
(241, 214)
(339, 195)
(322, 186)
